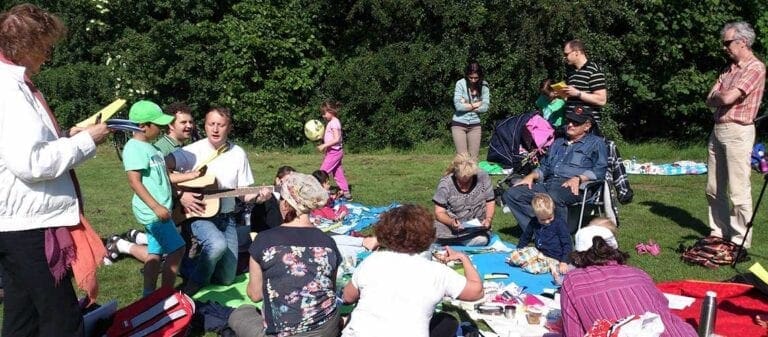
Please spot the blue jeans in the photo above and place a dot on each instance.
(217, 261)
(518, 199)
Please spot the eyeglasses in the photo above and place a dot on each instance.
(575, 123)
(565, 54)
(727, 43)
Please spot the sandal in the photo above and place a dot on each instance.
(653, 248)
(641, 248)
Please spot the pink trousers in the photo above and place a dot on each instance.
(332, 165)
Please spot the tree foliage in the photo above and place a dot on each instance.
(392, 63)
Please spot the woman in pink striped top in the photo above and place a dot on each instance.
(603, 287)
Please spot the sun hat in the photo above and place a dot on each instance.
(584, 237)
(580, 114)
(303, 192)
(148, 112)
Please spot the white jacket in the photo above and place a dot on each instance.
(36, 190)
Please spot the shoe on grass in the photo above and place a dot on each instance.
(112, 252)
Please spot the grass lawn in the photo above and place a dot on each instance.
(669, 209)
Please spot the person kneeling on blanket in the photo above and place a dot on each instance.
(570, 162)
(553, 243)
(464, 204)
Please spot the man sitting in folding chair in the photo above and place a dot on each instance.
(571, 162)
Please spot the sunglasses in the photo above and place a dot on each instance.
(565, 54)
(575, 123)
(727, 43)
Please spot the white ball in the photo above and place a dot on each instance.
(314, 129)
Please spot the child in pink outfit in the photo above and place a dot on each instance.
(328, 211)
(332, 146)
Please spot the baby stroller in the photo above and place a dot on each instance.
(519, 141)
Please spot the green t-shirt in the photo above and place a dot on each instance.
(166, 145)
(553, 111)
(147, 159)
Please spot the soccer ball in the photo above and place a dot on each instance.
(314, 129)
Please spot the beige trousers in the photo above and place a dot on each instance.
(467, 139)
(728, 173)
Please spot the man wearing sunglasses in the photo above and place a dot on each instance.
(585, 79)
(579, 157)
(736, 99)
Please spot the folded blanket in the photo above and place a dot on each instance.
(677, 168)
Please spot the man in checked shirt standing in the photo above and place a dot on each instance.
(736, 98)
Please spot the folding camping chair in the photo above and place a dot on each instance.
(596, 199)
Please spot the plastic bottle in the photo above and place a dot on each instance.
(634, 162)
(763, 162)
(708, 315)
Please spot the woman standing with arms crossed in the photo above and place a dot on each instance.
(42, 229)
(470, 98)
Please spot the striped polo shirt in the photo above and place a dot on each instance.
(588, 78)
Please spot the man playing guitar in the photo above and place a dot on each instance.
(217, 236)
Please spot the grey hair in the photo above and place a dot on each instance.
(741, 30)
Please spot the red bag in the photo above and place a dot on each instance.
(164, 313)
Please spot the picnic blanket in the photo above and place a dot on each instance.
(737, 305)
(671, 169)
(231, 296)
(491, 259)
(493, 168)
(359, 218)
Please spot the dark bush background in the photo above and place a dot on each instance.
(392, 63)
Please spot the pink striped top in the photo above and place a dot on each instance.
(614, 292)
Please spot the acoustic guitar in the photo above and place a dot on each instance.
(210, 194)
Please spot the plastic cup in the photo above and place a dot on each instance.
(533, 315)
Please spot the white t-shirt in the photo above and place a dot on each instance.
(230, 168)
(398, 294)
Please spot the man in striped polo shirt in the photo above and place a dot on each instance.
(736, 98)
(586, 81)
(179, 131)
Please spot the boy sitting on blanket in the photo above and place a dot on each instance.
(551, 239)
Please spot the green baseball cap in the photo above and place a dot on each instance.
(148, 112)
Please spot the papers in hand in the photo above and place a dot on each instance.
(558, 86)
(103, 114)
(123, 125)
(474, 223)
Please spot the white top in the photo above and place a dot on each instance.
(36, 190)
(398, 294)
(231, 168)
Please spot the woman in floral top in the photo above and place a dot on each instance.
(293, 271)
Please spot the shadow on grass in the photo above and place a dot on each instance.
(677, 215)
(514, 231)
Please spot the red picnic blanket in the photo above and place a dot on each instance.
(737, 305)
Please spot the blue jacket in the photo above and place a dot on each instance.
(587, 156)
(552, 240)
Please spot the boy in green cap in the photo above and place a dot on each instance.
(149, 180)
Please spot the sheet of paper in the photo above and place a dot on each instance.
(679, 302)
(760, 272)
(471, 224)
(106, 113)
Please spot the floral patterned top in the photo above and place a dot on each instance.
(299, 278)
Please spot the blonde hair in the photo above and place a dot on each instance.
(543, 206)
(607, 223)
(462, 166)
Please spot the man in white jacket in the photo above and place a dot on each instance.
(38, 195)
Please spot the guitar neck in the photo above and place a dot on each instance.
(234, 192)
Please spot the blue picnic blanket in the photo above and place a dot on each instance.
(489, 259)
(359, 218)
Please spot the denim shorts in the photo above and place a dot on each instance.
(163, 238)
